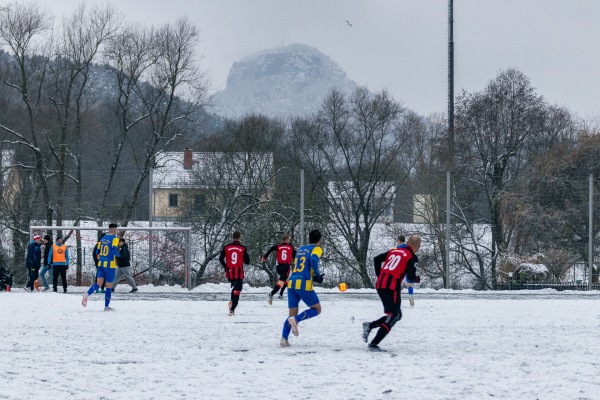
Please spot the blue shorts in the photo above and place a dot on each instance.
(108, 274)
(309, 297)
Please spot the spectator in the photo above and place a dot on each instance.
(33, 262)
(59, 258)
(47, 268)
(123, 267)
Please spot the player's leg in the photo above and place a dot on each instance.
(280, 282)
(94, 287)
(284, 277)
(237, 286)
(391, 300)
(409, 285)
(109, 278)
(293, 302)
(310, 298)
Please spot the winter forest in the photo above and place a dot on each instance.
(89, 105)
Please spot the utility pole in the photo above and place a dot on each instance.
(450, 155)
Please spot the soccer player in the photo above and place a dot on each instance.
(233, 257)
(300, 286)
(108, 252)
(285, 255)
(409, 283)
(391, 267)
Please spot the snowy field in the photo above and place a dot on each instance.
(179, 345)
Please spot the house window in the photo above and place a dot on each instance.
(199, 203)
(173, 200)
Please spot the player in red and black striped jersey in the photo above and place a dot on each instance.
(391, 267)
(285, 255)
(233, 257)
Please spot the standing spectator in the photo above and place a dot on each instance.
(285, 255)
(59, 258)
(108, 252)
(47, 268)
(33, 262)
(96, 263)
(233, 257)
(123, 268)
(391, 267)
(300, 286)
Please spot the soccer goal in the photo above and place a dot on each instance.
(187, 233)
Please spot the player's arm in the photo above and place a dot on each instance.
(378, 260)
(222, 258)
(315, 258)
(115, 247)
(411, 270)
(271, 249)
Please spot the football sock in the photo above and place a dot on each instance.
(381, 333)
(235, 298)
(287, 328)
(306, 314)
(107, 296)
(275, 289)
(92, 289)
(282, 290)
(410, 290)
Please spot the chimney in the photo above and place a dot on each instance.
(187, 158)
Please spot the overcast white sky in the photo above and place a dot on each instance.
(401, 45)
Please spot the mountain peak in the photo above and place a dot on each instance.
(281, 82)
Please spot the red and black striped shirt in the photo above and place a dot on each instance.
(391, 267)
(233, 257)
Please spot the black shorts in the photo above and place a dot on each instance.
(390, 300)
(237, 284)
(283, 270)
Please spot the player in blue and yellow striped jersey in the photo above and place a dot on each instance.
(108, 252)
(300, 286)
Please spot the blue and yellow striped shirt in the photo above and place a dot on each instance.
(305, 266)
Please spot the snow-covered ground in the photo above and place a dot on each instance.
(169, 344)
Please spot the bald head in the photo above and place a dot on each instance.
(414, 241)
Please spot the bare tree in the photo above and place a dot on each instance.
(176, 93)
(132, 54)
(492, 127)
(357, 151)
(23, 28)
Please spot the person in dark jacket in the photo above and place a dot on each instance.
(123, 269)
(47, 267)
(33, 261)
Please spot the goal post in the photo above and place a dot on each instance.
(185, 229)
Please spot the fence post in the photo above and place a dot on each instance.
(591, 233)
(150, 217)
